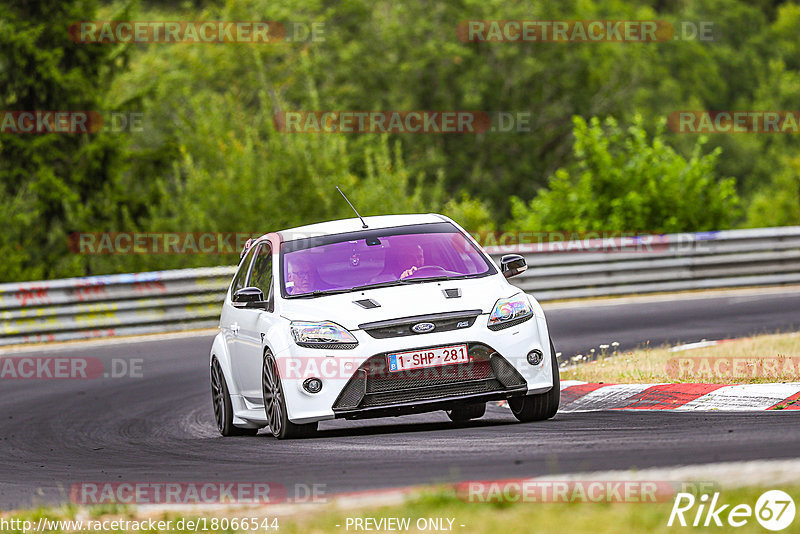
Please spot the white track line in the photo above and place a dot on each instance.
(744, 397)
(606, 397)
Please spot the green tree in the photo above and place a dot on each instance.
(53, 183)
(209, 158)
(778, 203)
(218, 164)
(623, 180)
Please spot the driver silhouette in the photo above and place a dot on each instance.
(302, 276)
(412, 257)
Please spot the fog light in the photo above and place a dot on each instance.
(535, 357)
(313, 385)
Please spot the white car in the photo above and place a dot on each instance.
(381, 316)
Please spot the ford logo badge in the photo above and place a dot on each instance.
(421, 328)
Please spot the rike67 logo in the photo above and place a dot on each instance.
(774, 510)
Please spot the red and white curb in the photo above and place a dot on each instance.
(579, 396)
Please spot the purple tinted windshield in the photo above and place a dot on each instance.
(371, 259)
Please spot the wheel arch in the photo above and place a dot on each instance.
(219, 351)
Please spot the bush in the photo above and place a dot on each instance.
(777, 204)
(623, 181)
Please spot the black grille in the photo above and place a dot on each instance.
(328, 346)
(353, 392)
(442, 322)
(506, 373)
(440, 392)
(509, 324)
(373, 385)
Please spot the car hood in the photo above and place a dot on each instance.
(400, 301)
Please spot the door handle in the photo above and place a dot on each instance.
(235, 328)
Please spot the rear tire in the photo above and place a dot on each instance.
(542, 406)
(275, 404)
(465, 413)
(223, 409)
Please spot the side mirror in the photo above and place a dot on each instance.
(512, 265)
(248, 297)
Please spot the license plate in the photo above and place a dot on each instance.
(418, 359)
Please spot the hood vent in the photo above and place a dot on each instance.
(452, 293)
(367, 304)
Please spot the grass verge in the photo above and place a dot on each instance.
(759, 359)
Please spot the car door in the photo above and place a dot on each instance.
(254, 324)
(232, 317)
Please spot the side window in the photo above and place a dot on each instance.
(241, 274)
(261, 276)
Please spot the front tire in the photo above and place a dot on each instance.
(223, 409)
(542, 406)
(465, 413)
(275, 404)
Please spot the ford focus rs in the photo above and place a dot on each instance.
(375, 317)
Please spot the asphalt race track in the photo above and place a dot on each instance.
(159, 428)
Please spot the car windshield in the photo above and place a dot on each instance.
(377, 258)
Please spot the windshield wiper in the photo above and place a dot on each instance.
(388, 283)
(319, 293)
(429, 279)
(323, 292)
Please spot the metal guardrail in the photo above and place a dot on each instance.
(671, 262)
(125, 304)
(112, 305)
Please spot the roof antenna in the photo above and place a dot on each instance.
(354, 209)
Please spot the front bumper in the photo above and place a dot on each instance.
(356, 383)
(373, 387)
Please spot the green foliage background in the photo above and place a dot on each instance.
(208, 158)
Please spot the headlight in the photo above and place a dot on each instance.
(509, 312)
(323, 334)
